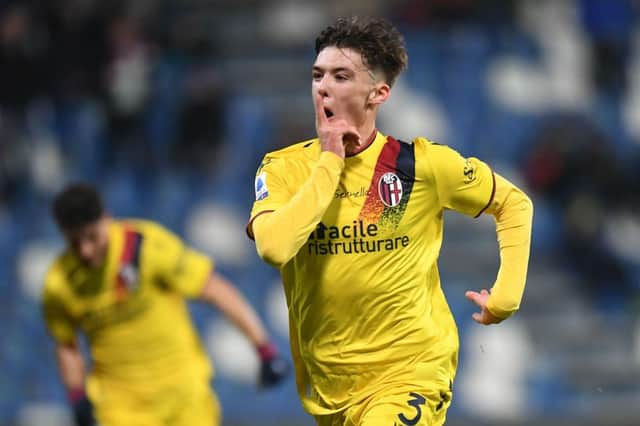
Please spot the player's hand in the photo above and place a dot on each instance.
(335, 134)
(273, 368)
(82, 409)
(484, 316)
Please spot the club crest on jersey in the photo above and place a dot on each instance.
(128, 276)
(261, 187)
(390, 189)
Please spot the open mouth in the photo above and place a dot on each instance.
(328, 112)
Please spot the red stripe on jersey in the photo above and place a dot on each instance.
(128, 252)
(373, 205)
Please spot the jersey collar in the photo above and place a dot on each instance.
(367, 144)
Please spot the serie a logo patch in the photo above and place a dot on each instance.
(261, 187)
(390, 189)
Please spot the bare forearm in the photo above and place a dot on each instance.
(280, 234)
(224, 296)
(71, 365)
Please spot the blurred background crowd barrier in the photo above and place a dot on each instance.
(169, 106)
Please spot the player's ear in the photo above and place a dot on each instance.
(379, 93)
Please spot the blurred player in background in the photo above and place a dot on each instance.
(123, 283)
(353, 219)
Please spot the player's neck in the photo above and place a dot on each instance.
(367, 140)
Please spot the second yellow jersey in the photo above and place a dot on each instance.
(133, 309)
(365, 304)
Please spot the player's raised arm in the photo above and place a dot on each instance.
(279, 234)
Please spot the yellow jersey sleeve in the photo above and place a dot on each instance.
(513, 211)
(56, 317)
(271, 187)
(177, 266)
(462, 184)
(280, 234)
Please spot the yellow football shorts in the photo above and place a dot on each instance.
(193, 404)
(418, 407)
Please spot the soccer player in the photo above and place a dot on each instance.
(353, 220)
(124, 284)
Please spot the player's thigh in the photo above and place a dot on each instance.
(201, 409)
(405, 409)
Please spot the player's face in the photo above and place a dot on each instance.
(344, 82)
(90, 242)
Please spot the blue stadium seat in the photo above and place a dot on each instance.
(161, 117)
(171, 195)
(125, 192)
(80, 129)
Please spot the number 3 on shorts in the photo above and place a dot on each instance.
(416, 402)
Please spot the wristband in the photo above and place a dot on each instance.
(267, 351)
(76, 394)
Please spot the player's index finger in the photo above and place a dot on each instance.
(321, 115)
(472, 296)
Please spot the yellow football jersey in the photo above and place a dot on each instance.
(132, 309)
(365, 304)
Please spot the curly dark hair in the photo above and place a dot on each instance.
(378, 41)
(77, 205)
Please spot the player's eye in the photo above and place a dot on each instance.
(341, 77)
(316, 76)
